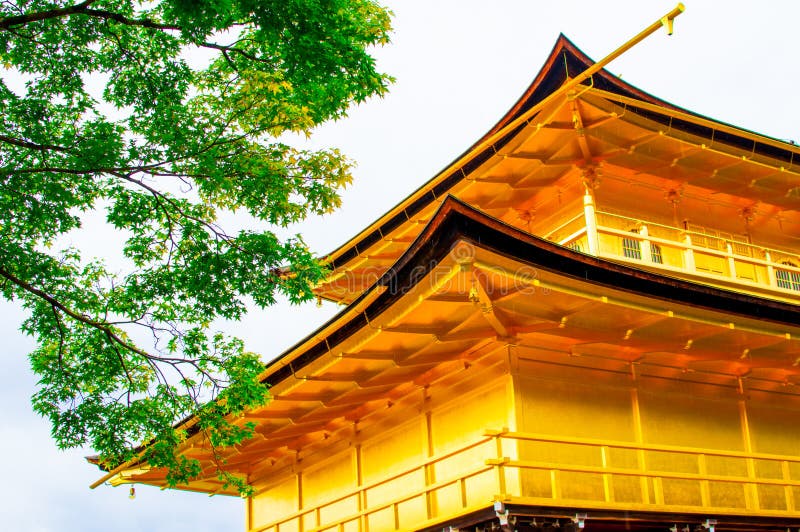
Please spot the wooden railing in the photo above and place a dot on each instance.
(310, 519)
(766, 487)
(724, 258)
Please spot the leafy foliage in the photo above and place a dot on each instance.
(111, 117)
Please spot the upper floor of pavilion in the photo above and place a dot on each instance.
(609, 170)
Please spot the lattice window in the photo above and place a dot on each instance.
(788, 279)
(575, 246)
(631, 248)
(655, 253)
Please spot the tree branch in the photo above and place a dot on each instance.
(142, 22)
(31, 145)
(61, 335)
(72, 314)
(81, 9)
(216, 231)
(21, 20)
(225, 48)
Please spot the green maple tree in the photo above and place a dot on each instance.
(164, 148)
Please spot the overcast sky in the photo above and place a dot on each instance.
(459, 66)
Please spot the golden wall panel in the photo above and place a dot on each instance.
(678, 492)
(454, 466)
(329, 479)
(663, 462)
(748, 271)
(672, 256)
(622, 458)
(277, 501)
(726, 495)
(467, 417)
(390, 490)
(581, 486)
(447, 500)
(690, 420)
(465, 420)
(404, 445)
(331, 513)
(381, 520)
(350, 526)
(575, 407)
(482, 489)
(626, 489)
(711, 263)
(609, 244)
(309, 520)
(436, 445)
(772, 497)
(655, 441)
(542, 483)
(412, 512)
(775, 429)
(574, 435)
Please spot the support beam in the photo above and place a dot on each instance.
(495, 319)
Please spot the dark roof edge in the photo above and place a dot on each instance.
(575, 61)
(456, 221)
(549, 78)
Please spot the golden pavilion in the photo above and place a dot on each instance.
(589, 320)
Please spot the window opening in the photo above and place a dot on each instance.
(631, 247)
(655, 253)
(788, 279)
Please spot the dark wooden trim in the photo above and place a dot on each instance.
(565, 60)
(456, 221)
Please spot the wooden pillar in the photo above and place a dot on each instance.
(589, 212)
(751, 490)
(731, 260)
(647, 250)
(771, 279)
(688, 254)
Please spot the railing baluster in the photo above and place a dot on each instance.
(705, 492)
(608, 493)
(555, 487)
(787, 490)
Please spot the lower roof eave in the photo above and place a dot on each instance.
(457, 223)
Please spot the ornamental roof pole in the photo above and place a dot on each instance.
(666, 21)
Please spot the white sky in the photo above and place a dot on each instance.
(459, 66)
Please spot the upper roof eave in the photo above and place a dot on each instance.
(549, 78)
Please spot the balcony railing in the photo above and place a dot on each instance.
(580, 473)
(443, 485)
(636, 475)
(718, 257)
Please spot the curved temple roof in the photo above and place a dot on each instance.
(468, 287)
(609, 125)
(450, 277)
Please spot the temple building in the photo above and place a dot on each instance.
(589, 320)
